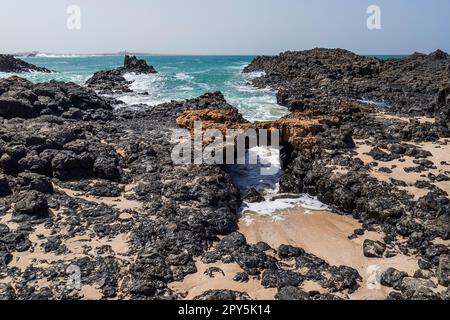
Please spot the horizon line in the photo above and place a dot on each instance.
(137, 53)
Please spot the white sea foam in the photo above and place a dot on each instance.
(183, 76)
(259, 107)
(185, 88)
(238, 67)
(52, 55)
(248, 176)
(143, 82)
(380, 104)
(147, 89)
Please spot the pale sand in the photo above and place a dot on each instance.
(441, 153)
(195, 284)
(404, 119)
(120, 202)
(90, 293)
(325, 235)
(76, 245)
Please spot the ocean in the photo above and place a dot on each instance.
(178, 78)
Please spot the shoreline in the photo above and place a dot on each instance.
(85, 185)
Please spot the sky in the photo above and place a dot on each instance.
(214, 27)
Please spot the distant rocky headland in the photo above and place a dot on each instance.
(10, 64)
(84, 185)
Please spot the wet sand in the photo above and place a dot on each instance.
(321, 233)
(325, 235)
(196, 284)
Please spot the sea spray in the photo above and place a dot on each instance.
(247, 176)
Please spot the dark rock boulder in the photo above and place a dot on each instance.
(232, 241)
(9, 63)
(139, 66)
(443, 271)
(5, 258)
(342, 278)
(20, 98)
(286, 251)
(280, 278)
(109, 81)
(106, 168)
(31, 203)
(252, 195)
(291, 293)
(223, 295)
(7, 292)
(392, 277)
(241, 277)
(417, 289)
(36, 182)
(4, 186)
(12, 108)
(373, 249)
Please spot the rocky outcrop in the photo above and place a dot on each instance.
(53, 171)
(316, 78)
(73, 171)
(20, 98)
(10, 64)
(376, 102)
(53, 168)
(373, 249)
(110, 81)
(297, 129)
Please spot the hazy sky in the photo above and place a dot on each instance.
(223, 26)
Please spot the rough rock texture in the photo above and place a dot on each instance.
(392, 277)
(151, 219)
(443, 271)
(373, 249)
(378, 103)
(224, 295)
(418, 84)
(20, 98)
(297, 129)
(10, 64)
(95, 191)
(109, 81)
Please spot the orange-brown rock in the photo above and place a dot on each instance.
(297, 129)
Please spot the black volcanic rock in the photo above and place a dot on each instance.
(108, 81)
(443, 271)
(280, 278)
(392, 277)
(10, 64)
(189, 212)
(139, 66)
(291, 293)
(223, 295)
(31, 203)
(20, 98)
(373, 249)
(315, 78)
(252, 195)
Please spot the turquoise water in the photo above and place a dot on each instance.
(178, 78)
